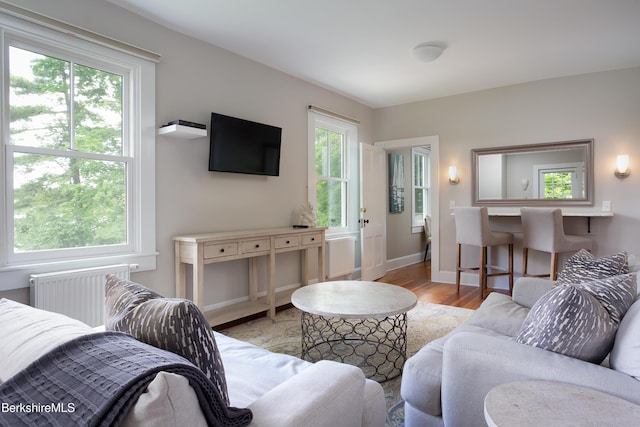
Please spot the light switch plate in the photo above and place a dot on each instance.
(606, 206)
(452, 204)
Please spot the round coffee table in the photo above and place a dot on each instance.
(547, 403)
(356, 322)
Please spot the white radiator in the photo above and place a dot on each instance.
(75, 293)
(340, 257)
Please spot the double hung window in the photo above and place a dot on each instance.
(76, 183)
(331, 182)
(421, 186)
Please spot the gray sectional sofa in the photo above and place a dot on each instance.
(446, 382)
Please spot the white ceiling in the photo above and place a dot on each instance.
(362, 48)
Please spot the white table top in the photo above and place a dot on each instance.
(575, 212)
(352, 299)
(548, 403)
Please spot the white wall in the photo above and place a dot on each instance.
(194, 79)
(604, 106)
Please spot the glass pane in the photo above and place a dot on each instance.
(97, 111)
(62, 202)
(322, 148)
(330, 203)
(419, 202)
(558, 185)
(336, 205)
(39, 99)
(418, 170)
(336, 150)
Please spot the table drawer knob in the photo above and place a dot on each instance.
(221, 250)
(257, 246)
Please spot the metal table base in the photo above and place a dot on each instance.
(377, 346)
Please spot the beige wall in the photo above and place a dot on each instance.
(194, 79)
(604, 106)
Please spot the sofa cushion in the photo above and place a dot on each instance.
(26, 333)
(168, 401)
(422, 373)
(583, 266)
(252, 370)
(499, 313)
(172, 324)
(579, 320)
(625, 354)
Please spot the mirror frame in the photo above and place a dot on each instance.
(587, 144)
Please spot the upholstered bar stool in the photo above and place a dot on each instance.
(543, 231)
(472, 228)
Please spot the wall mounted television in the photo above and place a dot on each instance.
(243, 146)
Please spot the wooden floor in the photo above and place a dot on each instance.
(417, 278)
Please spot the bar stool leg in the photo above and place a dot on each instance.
(458, 266)
(511, 269)
(553, 273)
(483, 271)
(525, 256)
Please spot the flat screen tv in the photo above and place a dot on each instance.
(243, 146)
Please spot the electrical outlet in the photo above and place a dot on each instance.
(606, 206)
(452, 204)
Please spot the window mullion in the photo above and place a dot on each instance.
(72, 119)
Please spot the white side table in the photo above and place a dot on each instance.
(547, 403)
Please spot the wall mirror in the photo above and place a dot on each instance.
(550, 174)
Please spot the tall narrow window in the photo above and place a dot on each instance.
(421, 185)
(330, 184)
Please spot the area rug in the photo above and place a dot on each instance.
(426, 322)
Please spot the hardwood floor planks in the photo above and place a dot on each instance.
(417, 278)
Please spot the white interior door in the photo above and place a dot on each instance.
(373, 216)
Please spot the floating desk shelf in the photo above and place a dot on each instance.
(182, 132)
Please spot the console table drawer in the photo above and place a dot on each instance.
(311, 239)
(250, 246)
(220, 250)
(287, 242)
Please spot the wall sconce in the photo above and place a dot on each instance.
(453, 175)
(524, 184)
(622, 162)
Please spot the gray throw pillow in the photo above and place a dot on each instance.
(583, 266)
(172, 324)
(579, 320)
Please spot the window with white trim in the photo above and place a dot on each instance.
(421, 185)
(331, 145)
(75, 120)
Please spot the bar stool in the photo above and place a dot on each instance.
(472, 228)
(543, 231)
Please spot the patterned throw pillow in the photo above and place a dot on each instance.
(583, 266)
(172, 324)
(579, 320)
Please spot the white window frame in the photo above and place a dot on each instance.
(350, 155)
(418, 226)
(139, 125)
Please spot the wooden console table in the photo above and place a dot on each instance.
(208, 248)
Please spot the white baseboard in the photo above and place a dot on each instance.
(393, 264)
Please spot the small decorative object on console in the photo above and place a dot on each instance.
(306, 215)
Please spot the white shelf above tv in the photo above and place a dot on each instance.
(182, 132)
